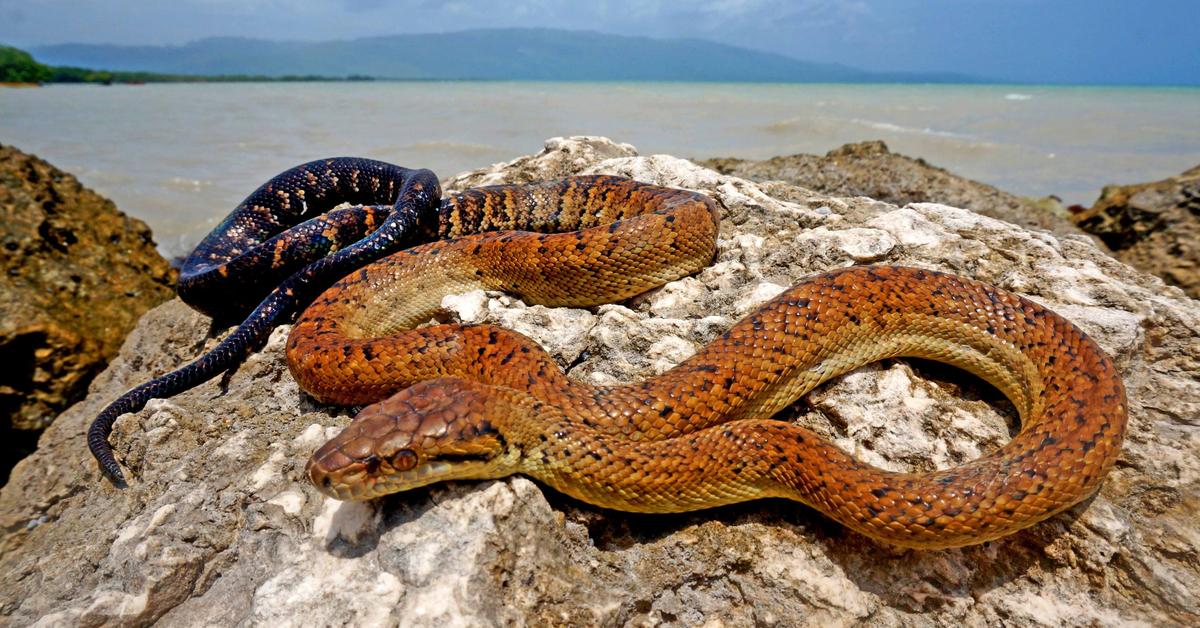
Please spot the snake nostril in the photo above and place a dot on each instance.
(371, 463)
(326, 482)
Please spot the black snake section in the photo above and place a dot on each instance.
(248, 264)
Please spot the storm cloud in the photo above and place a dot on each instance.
(1022, 40)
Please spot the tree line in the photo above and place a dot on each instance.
(18, 66)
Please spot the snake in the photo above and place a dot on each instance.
(455, 401)
(278, 249)
(483, 402)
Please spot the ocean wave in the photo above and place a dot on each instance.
(896, 128)
(788, 125)
(461, 148)
(187, 184)
(1018, 97)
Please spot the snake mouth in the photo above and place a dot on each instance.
(354, 482)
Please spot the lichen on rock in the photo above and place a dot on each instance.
(220, 524)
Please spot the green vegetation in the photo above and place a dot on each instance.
(66, 74)
(18, 66)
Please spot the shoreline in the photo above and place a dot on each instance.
(183, 178)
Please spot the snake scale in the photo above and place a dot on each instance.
(450, 401)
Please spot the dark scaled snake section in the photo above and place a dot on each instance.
(277, 250)
(452, 402)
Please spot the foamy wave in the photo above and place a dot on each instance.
(896, 128)
(465, 148)
(798, 124)
(187, 184)
(1018, 97)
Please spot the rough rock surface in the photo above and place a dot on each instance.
(75, 276)
(1154, 227)
(870, 169)
(220, 527)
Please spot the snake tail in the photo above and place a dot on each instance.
(261, 238)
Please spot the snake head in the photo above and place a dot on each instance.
(437, 430)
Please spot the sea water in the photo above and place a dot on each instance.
(180, 156)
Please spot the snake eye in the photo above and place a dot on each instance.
(404, 460)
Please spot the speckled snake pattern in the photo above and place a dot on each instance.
(451, 401)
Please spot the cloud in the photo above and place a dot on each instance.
(180, 20)
(358, 6)
(1018, 39)
(681, 18)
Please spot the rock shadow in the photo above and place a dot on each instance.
(925, 580)
(907, 579)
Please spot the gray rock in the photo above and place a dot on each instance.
(219, 525)
(1153, 227)
(870, 169)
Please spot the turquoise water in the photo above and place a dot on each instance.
(181, 156)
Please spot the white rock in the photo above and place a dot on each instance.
(469, 307)
(761, 293)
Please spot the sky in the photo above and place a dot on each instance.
(1048, 41)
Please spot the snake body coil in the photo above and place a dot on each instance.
(477, 401)
(267, 253)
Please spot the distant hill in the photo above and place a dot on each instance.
(486, 54)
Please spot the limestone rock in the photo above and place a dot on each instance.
(219, 525)
(76, 275)
(1154, 227)
(870, 169)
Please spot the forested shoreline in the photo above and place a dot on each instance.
(18, 67)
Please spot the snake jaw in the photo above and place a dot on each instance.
(356, 484)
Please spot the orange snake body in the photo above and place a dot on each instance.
(478, 401)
